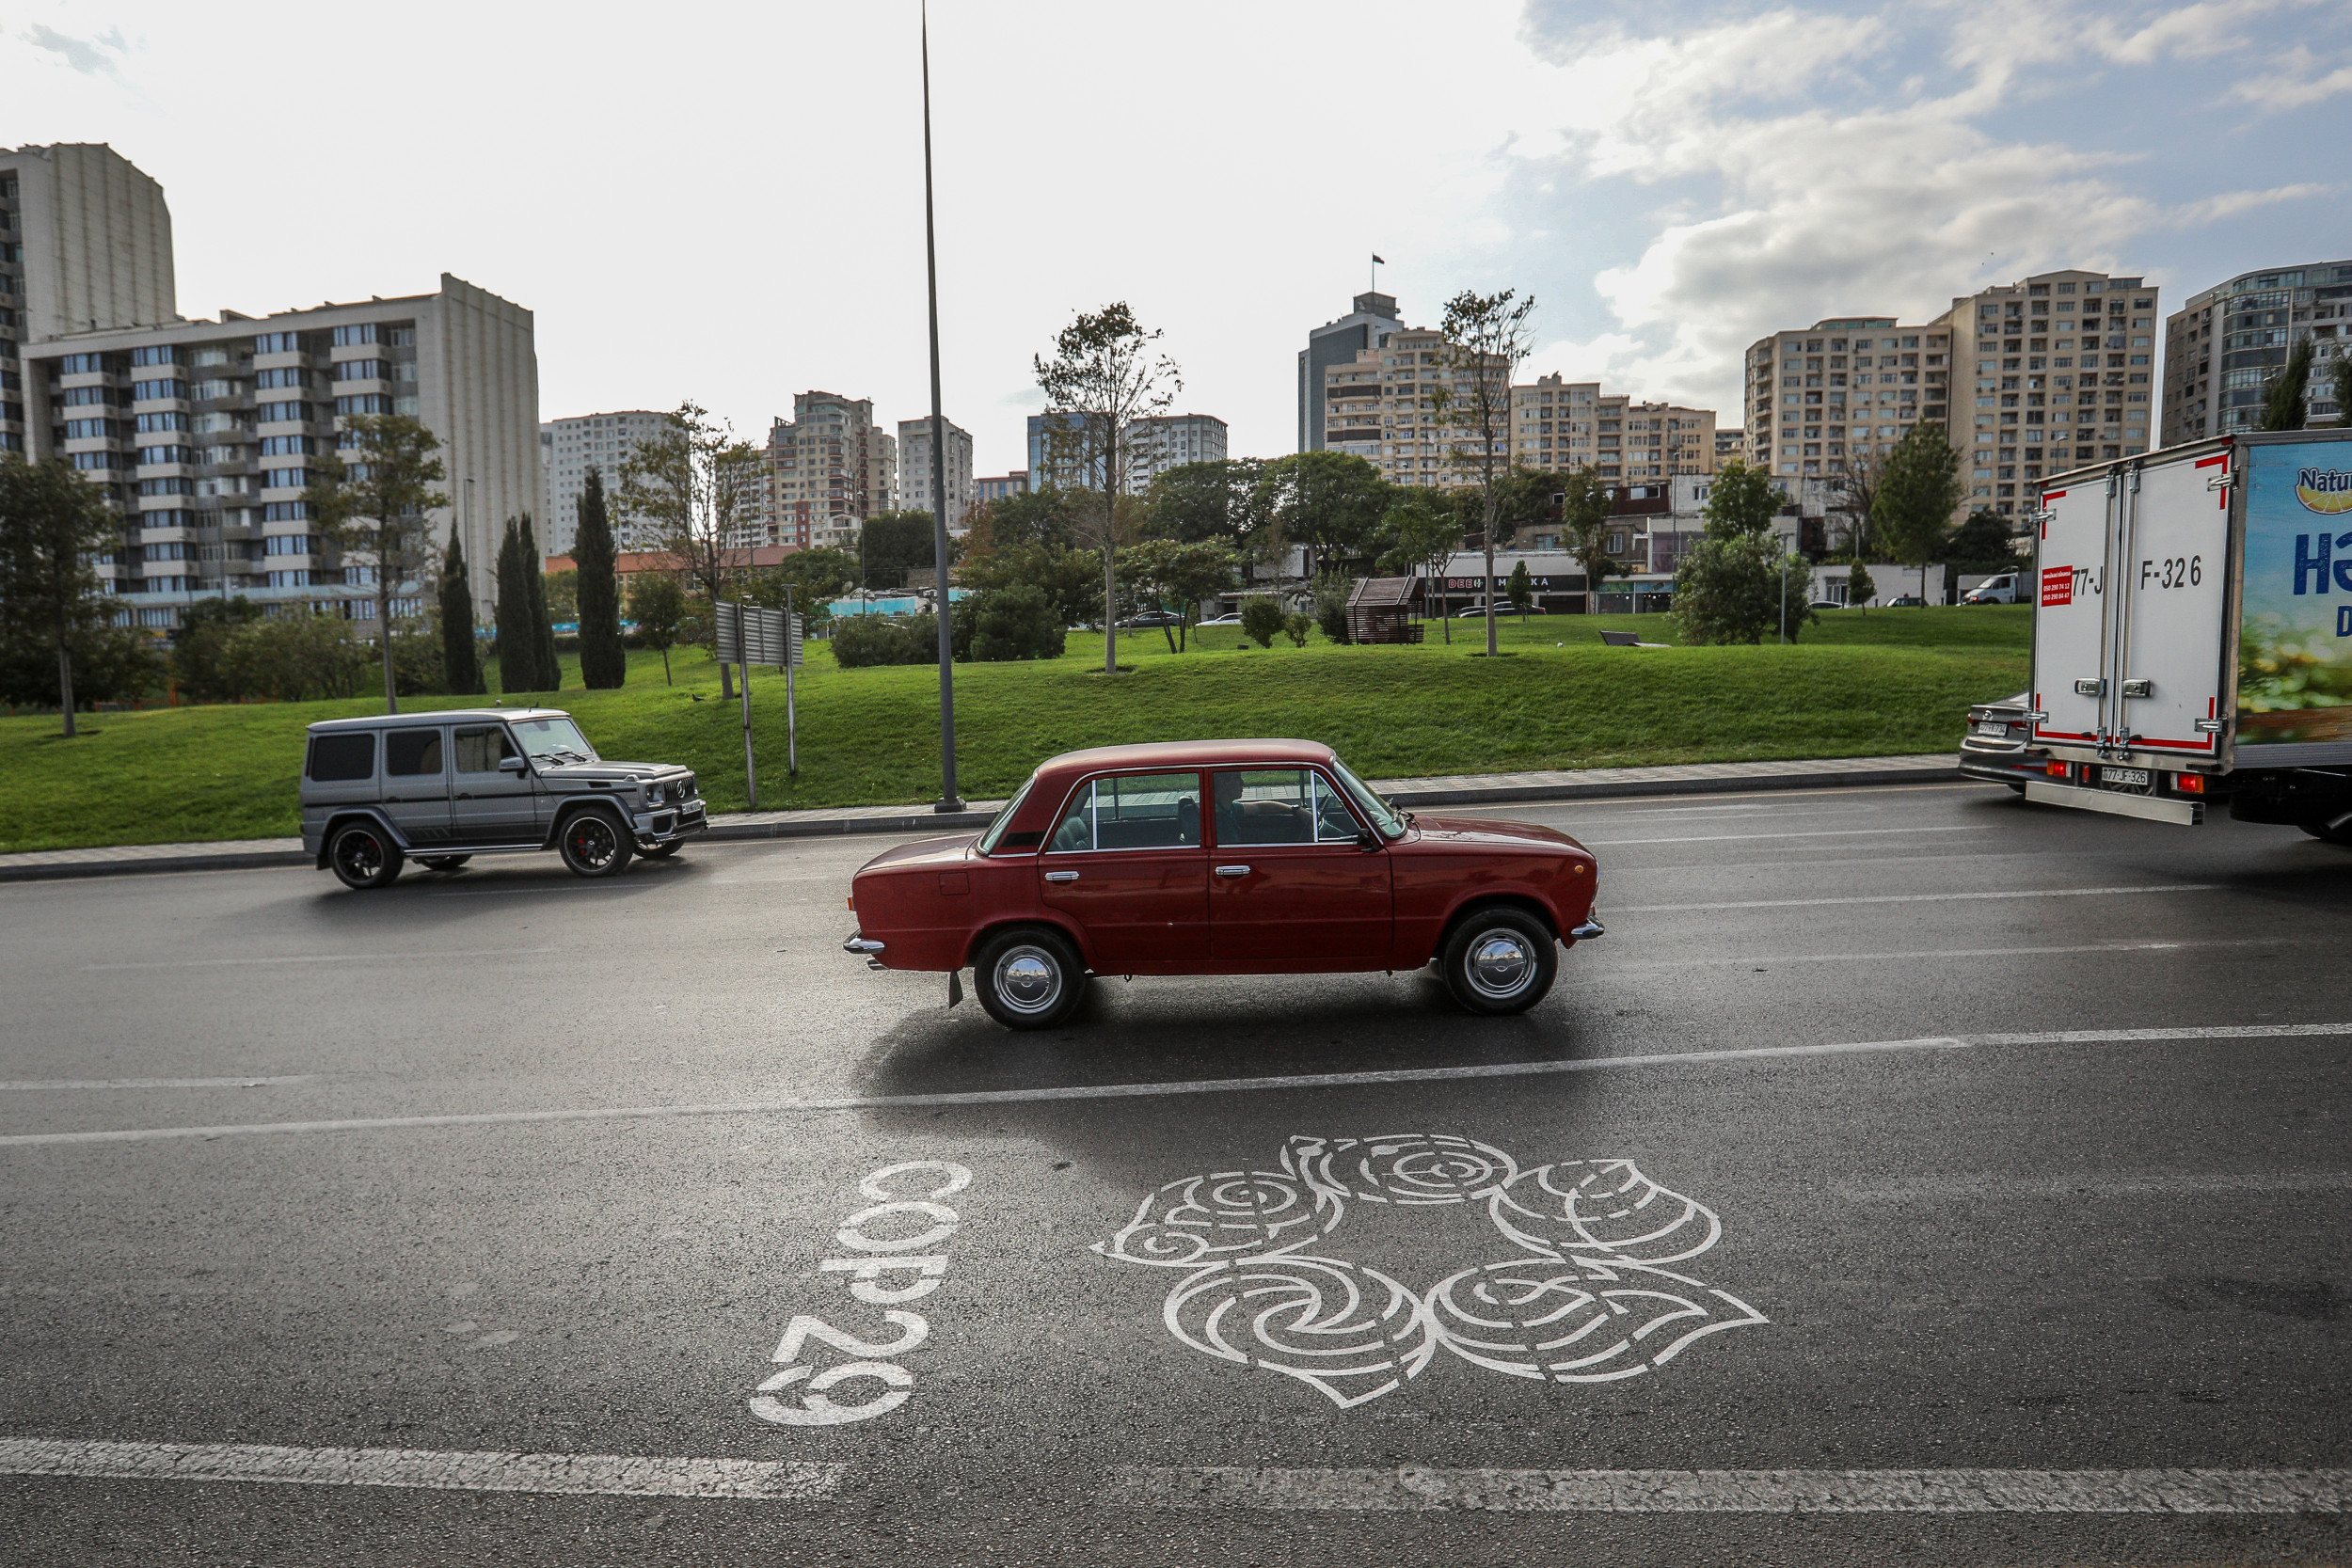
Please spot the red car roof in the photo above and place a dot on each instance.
(1186, 754)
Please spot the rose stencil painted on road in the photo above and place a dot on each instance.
(1587, 1300)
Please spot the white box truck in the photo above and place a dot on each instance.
(2192, 639)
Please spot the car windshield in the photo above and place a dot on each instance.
(995, 829)
(1383, 815)
(556, 740)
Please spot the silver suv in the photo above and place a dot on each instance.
(441, 788)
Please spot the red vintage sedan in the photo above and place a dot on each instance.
(1221, 857)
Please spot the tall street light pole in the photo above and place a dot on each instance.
(948, 799)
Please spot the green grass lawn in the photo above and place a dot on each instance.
(1862, 684)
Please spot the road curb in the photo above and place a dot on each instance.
(917, 820)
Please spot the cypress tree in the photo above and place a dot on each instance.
(542, 629)
(603, 664)
(2283, 401)
(461, 663)
(518, 659)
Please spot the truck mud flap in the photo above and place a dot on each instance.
(2155, 808)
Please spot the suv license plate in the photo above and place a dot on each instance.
(2123, 775)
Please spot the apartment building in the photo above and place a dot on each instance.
(1729, 443)
(915, 470)
(206, 433)
(1164, 441)
(85, 245)
(568, 448)
(2057, 370)
(995, 487)
(1557, 424)
(1385, 407)
(1802, 385)
(1052, 458)
(831, 469)
(1332, 345)
(2251, 323)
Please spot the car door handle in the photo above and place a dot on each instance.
(1232, 871)
(1061, 876)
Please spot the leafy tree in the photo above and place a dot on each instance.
(2344, 388)
(1103, 376)
(1985, 541)
(54, 524)
(1328, 501)
(809, 580)
(1852, 493)
(1416, 538)
(1197, 501)
(1914, 507)
(1520, 590)
(658, 605)
(1741, 501)
(1296, 625)
(1487, 339)
(893, 543)
(2282, 398)
(1046, 516)
(1261, 618)
(1860, 590)
(1067, 576)
(603, 662)
(461, 659)
(691, 483)
(1015, 621)
(300, 657)
(1724, 589)
(110, 664)
(1331, 591)
(375, 503)
(550, 668)
(518, 643)
(1587, 507)
(563, 590)
(1178, 575)
(200, 658)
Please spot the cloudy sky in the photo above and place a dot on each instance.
(725, 203)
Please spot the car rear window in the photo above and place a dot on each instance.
(412, 753)
(1141, 811)
(340, 758)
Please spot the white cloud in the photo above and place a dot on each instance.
(2299, 80)
(90, 56)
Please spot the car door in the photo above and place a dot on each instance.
(1292, 878)
(489, 806)
(1127, 863)
(415, 782)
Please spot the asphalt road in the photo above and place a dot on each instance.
(1972, 1245)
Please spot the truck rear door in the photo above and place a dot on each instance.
(2074, 553)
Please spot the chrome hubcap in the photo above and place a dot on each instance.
(1501, 964)
(1028, 980)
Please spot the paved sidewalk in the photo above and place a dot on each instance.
(1458, 790)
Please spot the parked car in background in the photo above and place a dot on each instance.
(1827, 604)
(1226, 620)
(1907, 601)
(1221, 857)
(1993, 747)
(2001, 590)
(1151, 618)
(441, 788)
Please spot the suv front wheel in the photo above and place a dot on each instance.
(363, 856)
(593, 845)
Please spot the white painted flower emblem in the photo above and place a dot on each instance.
(1588, 1298)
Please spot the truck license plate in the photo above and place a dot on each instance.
(2123, 775)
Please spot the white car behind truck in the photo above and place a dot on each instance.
(2193, 640)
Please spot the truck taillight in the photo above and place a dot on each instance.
(2189, 784)
(2061, 770)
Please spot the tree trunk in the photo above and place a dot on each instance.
(1111, 597)
(665, 668)
(1489, 542)
(64, 684)
(384, 634)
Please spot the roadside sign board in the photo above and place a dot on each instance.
(748, 634)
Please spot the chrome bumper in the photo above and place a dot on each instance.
(857, 941)
(1586, 932)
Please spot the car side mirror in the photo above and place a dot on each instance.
(514, 765)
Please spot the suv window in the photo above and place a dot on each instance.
(409, 754)
(1143, 811)
(480, 749)
(340, 758)
(1280, 805)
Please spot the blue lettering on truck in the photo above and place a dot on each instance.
(2312, 562)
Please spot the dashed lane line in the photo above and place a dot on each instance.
(328, 958)
(558, 1474)
(1409, 1488)
(1208, 1085)
(26, 1084)
(1809, 832)
(1910, 899)
(2005, 1186)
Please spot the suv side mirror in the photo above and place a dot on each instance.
(514, 765)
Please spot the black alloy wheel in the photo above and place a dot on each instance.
(442, 863)
(593, 845)
(1500, 961)
(1028, 979)
(363, 856)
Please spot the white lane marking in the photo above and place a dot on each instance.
(1910, 899)
(1770, 958)
(2004, 1187)
(1739, 1491)
(27, 1085)
(1816, 833)
(1206, 1085)
(572, 1474)
(330, 959)
(560, 887)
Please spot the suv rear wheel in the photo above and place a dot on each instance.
(1500, 961)
(593, 845)
(1029, 978)
(363, 856)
